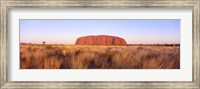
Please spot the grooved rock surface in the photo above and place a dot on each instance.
(99, 40)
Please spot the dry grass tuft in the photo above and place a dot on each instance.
(98, 57)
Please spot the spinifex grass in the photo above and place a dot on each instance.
(35, 56)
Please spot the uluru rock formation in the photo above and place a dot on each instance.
(100, 40)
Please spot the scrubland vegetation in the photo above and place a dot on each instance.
(44, 56)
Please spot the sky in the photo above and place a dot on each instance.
(67, 31)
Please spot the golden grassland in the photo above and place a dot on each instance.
(38, 56)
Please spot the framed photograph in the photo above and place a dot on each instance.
(100, 44)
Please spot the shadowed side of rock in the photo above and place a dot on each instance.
(100, 40)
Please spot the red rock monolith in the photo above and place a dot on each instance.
(100, 40)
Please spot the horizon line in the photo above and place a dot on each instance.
(107, 44)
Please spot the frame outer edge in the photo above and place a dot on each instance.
(99, 3)
(0, 41)
(4, 45)
(196, 50)
(198, 39)
(198, 28)
(104, 0)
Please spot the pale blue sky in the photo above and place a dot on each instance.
(67, 31)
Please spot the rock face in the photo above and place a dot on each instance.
(100, 40)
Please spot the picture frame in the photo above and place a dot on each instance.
(4, 45)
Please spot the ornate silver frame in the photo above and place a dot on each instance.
(6, 4)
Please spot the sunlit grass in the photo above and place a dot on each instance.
(35, 56)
